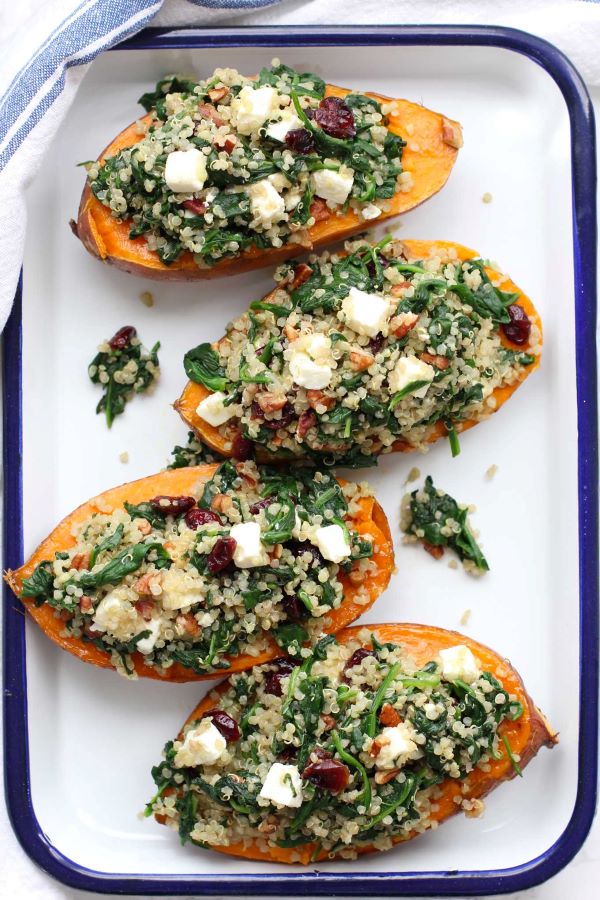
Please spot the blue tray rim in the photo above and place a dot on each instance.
(454, 883)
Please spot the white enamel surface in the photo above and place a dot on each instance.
(94, 736)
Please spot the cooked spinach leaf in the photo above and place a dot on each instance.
(109, 543)
(122, 371)
(202, 366)
(438, 520)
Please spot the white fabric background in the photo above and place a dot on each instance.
(573, 25)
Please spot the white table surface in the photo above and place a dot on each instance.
(20, 878)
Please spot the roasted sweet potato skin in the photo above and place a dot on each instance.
(526, 735)
(177, 482)
(429, 156)
(194, 393)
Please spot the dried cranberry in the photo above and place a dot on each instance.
(288, 752)
(328, 775)
(287, 414)
(371, 267)
(293, 608)
(376, 343)
(298, 548)
(171, 506)
(356, 658)
(320, 753)
(300, 140)
(122, 338)
(227, 726)
(241, 447)
(319, 210)
(273, 679)
(198, 207)
(221, 554)
(195, 517)
(260, 504)
(335, 118)
(519, 327)
(306, 421)
(145, 608)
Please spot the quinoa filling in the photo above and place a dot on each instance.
(229, 163)
(190, 580)
(343, 748)
(350, 355)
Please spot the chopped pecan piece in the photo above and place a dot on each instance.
(218, 94)
(142, 585)
(302, 273)
(436, 552)
(452, 134)
(377, 744)
(319, 210)
(209, 112)
(398, 289)
(221, 503)
(328, 721)
(270, 402)
(360, 360)
(440, 362)
(386, 776)
(225, 142)
(80, 561)
(188, 623)
(402, 324)
(144, 527)
(389, 716)
(318, 398)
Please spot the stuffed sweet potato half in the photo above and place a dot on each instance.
(192, 571)
(369, 739)
(388, 347)
(232, 173)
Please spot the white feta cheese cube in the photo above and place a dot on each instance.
(283, 786)
(307, 373)
(252, 107)
(459, 663)
(266, 204)
(332, 542)
(212, 410)
(332, 186)
(203, 745)
(365, 313)
(396, 745)
(318, 347)
(177, 591)
(146, 645)
(115, 615)
(370, 211)
(411, 370)
(185, 171)
(278, 130)
(249, 550)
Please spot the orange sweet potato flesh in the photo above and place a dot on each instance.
(427, 157)
(423, 642)
(177, 482)
(193, 393)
